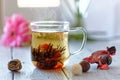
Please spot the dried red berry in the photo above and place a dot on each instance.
(105, 59)
(85, 66)
(102, 57)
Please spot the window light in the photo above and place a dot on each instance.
(38, 3)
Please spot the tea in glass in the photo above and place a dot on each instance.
(49, 49)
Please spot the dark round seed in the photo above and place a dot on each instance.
(14, 65)
(85, 66)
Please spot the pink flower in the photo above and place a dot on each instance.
(16, 31)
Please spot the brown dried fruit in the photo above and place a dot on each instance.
(14, 65)
(105, 59)
(85, 66)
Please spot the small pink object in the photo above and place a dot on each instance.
(16, 31)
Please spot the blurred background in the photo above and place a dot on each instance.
(100, 17)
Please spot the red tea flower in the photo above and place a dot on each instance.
(47, 56)
(43, 47)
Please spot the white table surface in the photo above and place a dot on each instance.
(29, 72)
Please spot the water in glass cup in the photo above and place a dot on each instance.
(49, 49)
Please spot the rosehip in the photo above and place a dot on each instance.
(105, 59)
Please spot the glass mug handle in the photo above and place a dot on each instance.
(84, 32)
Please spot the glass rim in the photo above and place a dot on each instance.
(48, 22)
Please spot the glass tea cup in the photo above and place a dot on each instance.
(49, 47)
